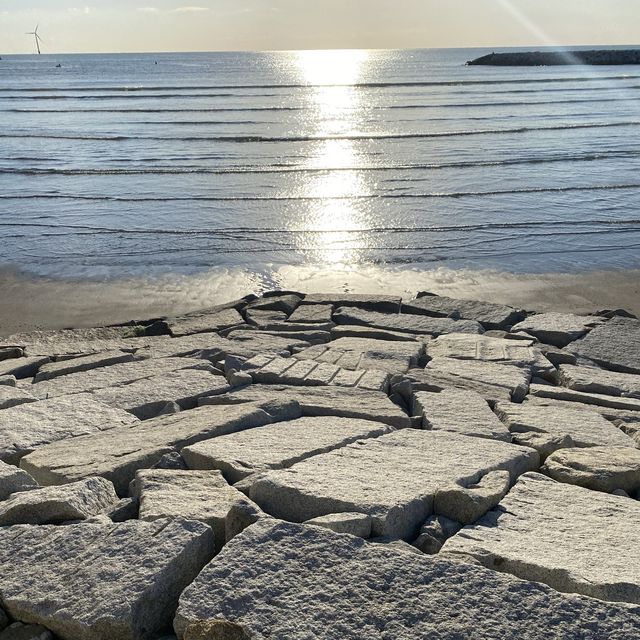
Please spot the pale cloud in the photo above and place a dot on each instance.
(77, 11)
(189, 9)
(148, 9)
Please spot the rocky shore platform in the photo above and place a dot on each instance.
(596, 57)
(333, 466)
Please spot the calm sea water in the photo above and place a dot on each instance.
(144, 165)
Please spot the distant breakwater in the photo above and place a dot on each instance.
(555, 58)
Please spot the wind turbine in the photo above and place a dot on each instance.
(36, 36)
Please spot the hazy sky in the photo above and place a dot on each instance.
(206, 25)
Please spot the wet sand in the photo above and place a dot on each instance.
(29, 303)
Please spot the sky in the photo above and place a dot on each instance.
(84, 26)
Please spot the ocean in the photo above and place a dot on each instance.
(119, 166)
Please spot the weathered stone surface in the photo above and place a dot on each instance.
(558, 329)
(7, 353)
(243, 513)
(204, 322)
(508, 378)
(615, 345)
(355, 524)
(8, 381)
(548, 429)
(312, 313)
(434, 533)
(580, 398)
(322, 401)
(309, 335)
(118, 453)
(28, 426)
(561, 535)
(53, 505)
(4, 621)
(13, 479)
(285, 303)
(22, 367)
(407, 323)
(600, 468)
(364, 353)
(101, 582)
(392, 478)
(593, 380)
(111, 376)
(260, 317)
(467, 504)
(85, 363)
(215, 630)
(357, 331)
(490, 315)
(20, 631)
(13, 396)
(282, 580)
(459, 410)
(294, 328)
(385, 304)
(190, 495)
(296, 372)
(147, 398)
(279, 445)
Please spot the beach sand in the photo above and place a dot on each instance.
(41, 303)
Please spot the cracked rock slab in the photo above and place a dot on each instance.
(557, 329)
(204, 496)
(581, 398)
(406, 323)
(385, 304)
(600, 468)
(116, 374)
(13, 479)
(593, 380)
(26, 367)
(85, 363)
(14, 396)
(355, 524)
(461, 411)
(548, 429)
(322, 401)
(312, 313)
(614, 345)
(53, 505)
(204, 322)
(118, 453)
(148, 398)
(561, 535)
(392, 478)
(99, 581)
(28, 426)
(282, 580)
(279, 445)
(490, 315)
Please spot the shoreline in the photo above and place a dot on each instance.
(31, 303)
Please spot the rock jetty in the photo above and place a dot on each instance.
(323, 466)
(595, 57)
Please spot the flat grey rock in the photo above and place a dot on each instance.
(111, 376)
(147, 398)
(13, 479)
(404, 322)
(572, 539)
(296, 328)
(279, 445)
(312, 313)
(548, 429)
(53, 505)
(594, 380)
(204, 322)
(13, 396)
(118, 453)
(8, 381)
(310, 373)
(600, 468)
(28, 426)
(322, 401)
(282, 580)
(7, 353)
(385, 304)
(365, 353)
(358, 331)
(580, 398)
(310, 334)
(285, 303)
(614, 344)
(459, 410)
(26, 367)
(355, 524)
(434, 533)
(204, 496)
(490, 315)
(97, 581)
(85, 363)
(392, 478)
(508, 378)
(557, 329)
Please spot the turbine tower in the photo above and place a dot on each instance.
(34, 33)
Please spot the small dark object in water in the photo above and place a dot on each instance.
(58, 66)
